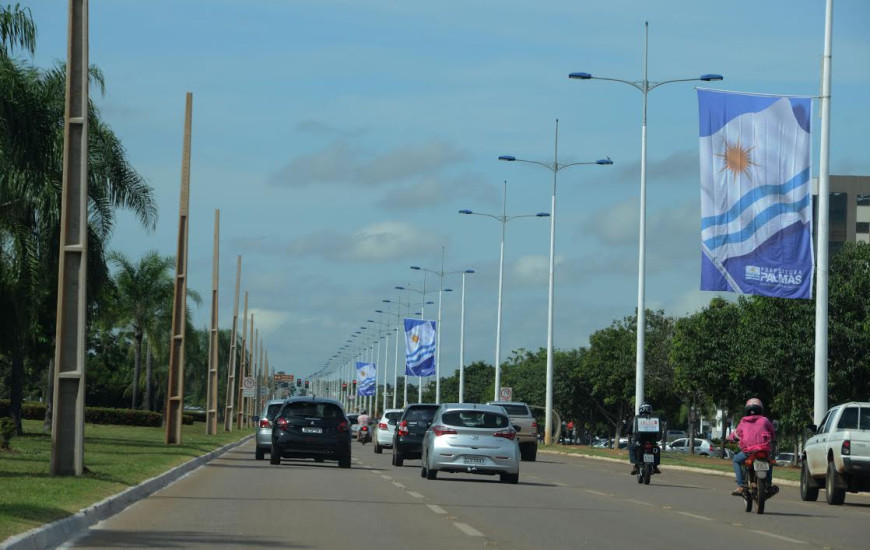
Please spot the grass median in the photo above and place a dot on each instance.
(116, 458)
(671, 459)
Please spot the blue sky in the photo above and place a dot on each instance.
(340, 138)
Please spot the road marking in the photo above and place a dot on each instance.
(595, 492)
(385, 477)
(399, 485)
(695, 516)
(780, 537)
(415, 495)
(559, 484)
(467, 529)
(437, 509)
(638, 502)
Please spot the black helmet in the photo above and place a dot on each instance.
(645, 408)
(754, 406)
(363, 412)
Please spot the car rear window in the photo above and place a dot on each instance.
(272, 410)
(420, 413)
(394, 415)
(475, 419)
(849, 419)
(516, 410)
(865, 419)
(312, 410)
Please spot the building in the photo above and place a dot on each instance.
(849, 210)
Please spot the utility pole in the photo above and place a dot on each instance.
(231, 362)
(213, 340)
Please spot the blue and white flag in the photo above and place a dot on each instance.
(756, 200)
(419, 347)
(366, 373)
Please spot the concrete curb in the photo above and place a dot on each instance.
(58, 532)
(666, 467)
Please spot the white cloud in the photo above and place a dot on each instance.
(694, 300)
(533, 270)
(376, 242)
(268, 321)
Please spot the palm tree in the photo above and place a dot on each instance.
(31, 163)
(141, 297)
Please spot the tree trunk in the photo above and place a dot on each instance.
(16, 389)
(49, 398)
(149, 361)
(137, 361)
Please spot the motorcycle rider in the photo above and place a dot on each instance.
(635, 444)
(756, 433)
(364, 420)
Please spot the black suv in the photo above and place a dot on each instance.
(408, 440)
(311, 427)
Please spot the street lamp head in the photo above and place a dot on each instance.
(509, 158)
(580, 76)
(466, 212)
(398, 288)
(469, 271)
(417, 267)
(710, 77)
(604, 161)
(370, 320)
(448, 290)
(379, 311)
(543, 214)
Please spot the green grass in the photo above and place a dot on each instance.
(672, 459)
(116, 457)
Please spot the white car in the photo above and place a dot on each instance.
(386, 428)
(703, 447)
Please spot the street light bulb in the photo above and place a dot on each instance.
(508, 158)
(543, 214)
(469, 271)
(710, 77)
(417, 267)
(466, 212)
(604, 161)
(580, 76)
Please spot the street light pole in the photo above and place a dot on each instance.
(554, 167)
(503, 219)
(645, 86)
(462, 340)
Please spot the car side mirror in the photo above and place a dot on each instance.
(255, 419)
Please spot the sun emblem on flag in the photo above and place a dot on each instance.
(737, 158)
(415, 338)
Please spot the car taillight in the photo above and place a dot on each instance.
(342, 426)
(846, 449)
(534, 425)
(443, 430)
(382, 426)
(507, 434)
(264, 423)
(403, 428)
(282, 424)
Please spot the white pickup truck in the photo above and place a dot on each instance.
(837, 457)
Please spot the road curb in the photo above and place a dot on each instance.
(666, 467)
(57, 532)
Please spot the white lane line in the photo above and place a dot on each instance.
(559, 484)
(638, 502)
(437, 509)
(780, 537)
(386, 477)
(399, 485)
(415, 495)
(467, 529)
(695, 516)
(595, 492)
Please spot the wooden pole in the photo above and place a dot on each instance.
(231, 362)
(213, 341)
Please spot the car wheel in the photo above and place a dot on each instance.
(274, 456)
(833, 495)
(528, 453)
(378, 449)
(259, 454)
(398, 459)
(513, 479)
(344, 461)
(431, 474)
(809, 486)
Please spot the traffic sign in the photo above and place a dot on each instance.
(505, 393)
(248, 387)
(282, 377)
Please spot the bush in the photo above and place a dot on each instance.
(94, 415)
(7, 430)
(187, 419)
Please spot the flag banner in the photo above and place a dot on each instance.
(419, 347)
(756, 199)
(366, 373)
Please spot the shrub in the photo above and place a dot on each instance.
(187, 419)
(7, 430)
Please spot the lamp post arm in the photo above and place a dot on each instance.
(638, 85)
(563, 166)
(546, 165)
(654, 85)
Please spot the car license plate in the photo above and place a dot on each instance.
(649, 458)
(760, 466)
(312, 430)
(474, 460)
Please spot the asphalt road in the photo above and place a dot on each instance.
(561, 502)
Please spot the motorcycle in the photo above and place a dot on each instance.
(756, 480)
(649, 451)
(364, 435)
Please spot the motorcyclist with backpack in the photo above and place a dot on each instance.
(637, 438)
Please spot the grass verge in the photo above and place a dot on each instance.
(116, 457)
(672, 459)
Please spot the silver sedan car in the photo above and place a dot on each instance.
(264, 428)
(473, 439)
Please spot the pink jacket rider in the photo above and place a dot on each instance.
(756, 433)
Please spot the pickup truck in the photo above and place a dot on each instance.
(526, 426)
(837, 456)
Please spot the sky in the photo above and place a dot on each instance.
(339, 139)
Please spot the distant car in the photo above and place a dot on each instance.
(311, 427)
(264, 429)
(673, 435)
(525, 424)
(473, 439)
(354, 424)
(785, 459)
(703, 447)
(386, 428)
(408, 439)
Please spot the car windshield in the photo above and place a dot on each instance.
(475, 419)
(312, 410)
(420, 413)
(516, 410)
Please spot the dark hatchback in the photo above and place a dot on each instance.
(311, 427)
(412, 426)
